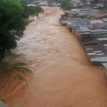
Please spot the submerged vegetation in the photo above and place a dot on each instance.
(12, 22)
(31, 10)
(8, 68)
(11, 25)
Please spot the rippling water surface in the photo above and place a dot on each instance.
(62, 75)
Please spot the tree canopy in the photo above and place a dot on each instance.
(34, 10)
(31, 10)
(11, 24)
(65, 4)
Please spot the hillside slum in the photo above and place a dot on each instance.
(90, 27)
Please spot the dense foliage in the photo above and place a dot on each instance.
(11, 24)
(65, 4)
(13, 14)
(32, 10)
(8, 68)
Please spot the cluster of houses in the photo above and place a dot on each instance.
(98, 3)
(45, 3)
(73, 3)
(90, 27)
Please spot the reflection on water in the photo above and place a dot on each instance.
(62, 75)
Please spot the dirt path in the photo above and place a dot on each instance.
(62, 76)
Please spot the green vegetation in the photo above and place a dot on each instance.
(34, 11)
(13, 19)
(12, 22)
(65, 4)
(50, 1)
(8, 68)
(12, 25)
(31, 10)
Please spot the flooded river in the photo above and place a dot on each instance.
(62, 75)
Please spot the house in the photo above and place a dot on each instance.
(98, 15)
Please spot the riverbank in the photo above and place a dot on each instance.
(62, 75)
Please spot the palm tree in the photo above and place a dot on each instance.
(8, 68)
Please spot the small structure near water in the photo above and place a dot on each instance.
(64, 19)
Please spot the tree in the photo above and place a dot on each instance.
(65, 4)
(50, 1)
(34, 10)
(31, 10)
(38, 10)
(11, 25)
(26, 9)
(8, 68)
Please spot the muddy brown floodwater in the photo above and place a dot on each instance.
(62, 75)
